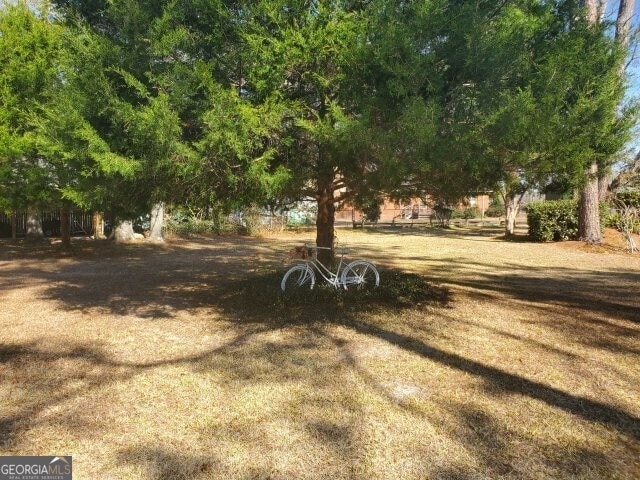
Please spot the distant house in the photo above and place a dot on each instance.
(413, 209)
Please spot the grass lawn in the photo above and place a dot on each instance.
(480, 359)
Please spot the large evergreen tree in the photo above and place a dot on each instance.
(300, 60)
(29, 53)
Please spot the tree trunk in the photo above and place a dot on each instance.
(589, 211)
(512, 207)
(157, 222)
(596, 189)
(97, 225)
(325, 221)
(34, 225)
(14, 225)
(589, 208)
(623, 23)
(123, 231)
(65, 227)
(593, 10)
(623, 28)
(603, 187)
(602, 10)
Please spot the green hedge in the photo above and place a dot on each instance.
(553, 220)
(557, 220)
(466, 213)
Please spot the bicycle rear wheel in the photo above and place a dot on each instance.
(360, 274)
(298, 276)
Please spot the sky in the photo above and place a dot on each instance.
(634, 67)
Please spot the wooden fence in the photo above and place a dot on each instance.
(79, 223)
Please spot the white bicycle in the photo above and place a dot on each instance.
(358, 273)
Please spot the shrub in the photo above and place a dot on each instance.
(442, 214)
(465, 213)
(251, 221)
(471, 212)
(608, 216)
(189, 227)
(182, 223)
(495, 210)
(553, 220)
(631, 198)
(372, 211)
(620, 222)
(456, 213)
(622, 212)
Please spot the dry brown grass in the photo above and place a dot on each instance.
(181, 361)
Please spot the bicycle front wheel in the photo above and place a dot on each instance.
(298, 276)
(360, 274)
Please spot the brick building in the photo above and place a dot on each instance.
(415, 209)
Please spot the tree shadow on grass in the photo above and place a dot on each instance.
(483, 434)
(162, 463)
(250, 298)
(464, 232)
(613, 292)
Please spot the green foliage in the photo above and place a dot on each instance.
(185, 224)
(495, 210)
(557, 220)
(608, 216)
(631, 198)
(224, 105)
(622, 211)
(52, 97)
(470, 212)
(525, 93)
(29, 54)
(251, 222)
(443, 213)
(371, 208)
(553, 220)
(189, 227)
(613, 219)
(299, 60)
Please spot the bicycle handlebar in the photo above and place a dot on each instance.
(339, 250)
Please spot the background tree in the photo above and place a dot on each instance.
(30, 52)
(512, 98)
(589, 219)
(172, 76)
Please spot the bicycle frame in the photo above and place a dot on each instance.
(331, 278)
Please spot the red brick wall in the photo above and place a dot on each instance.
(390, 211)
